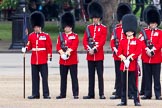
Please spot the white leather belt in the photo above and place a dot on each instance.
(38, 49)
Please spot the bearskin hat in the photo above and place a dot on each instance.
(146, 10)
(87, 1)
(67, 19)
(151, 15)
(123, 8)
(95, 10)
(129, 23)
(37, 19)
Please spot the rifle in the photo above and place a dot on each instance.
(147, 42)
(116, 40)
(63, 46)
(91, 42)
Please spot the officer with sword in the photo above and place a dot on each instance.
(128, 51)
(40, 44)
(117, 35)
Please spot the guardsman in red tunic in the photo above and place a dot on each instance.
(128, 51)
(151, 53)
(67, 44)
(117, 35)
(40, 44)
(93, 41)
(141, 37)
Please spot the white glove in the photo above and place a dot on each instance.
(94, 49)
(153, 48)
(115, 50)
(148, 52)
(49, 60)
(152, 51)
(126, 62)
(68, 52)
(64, 56)
(139, 61)
(90, 50)
(23, 49)
(61, 52)
(122, 57)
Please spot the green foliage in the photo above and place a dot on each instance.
(8, 4)
(53, 29)
(5, 31)
(50, 27)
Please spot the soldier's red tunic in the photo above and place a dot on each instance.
(119, 36)
(155, 37)
(71, 41)
(41, 46)
(99, 34)
(128, 47)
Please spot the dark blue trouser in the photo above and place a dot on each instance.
(92, 65)
(152, 70)
(74, 78)
(43, 69)
(117, 78)
(143, 79)
(131, 81)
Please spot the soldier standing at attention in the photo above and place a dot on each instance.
(67, 44)
(117, 35)
(93, 41)
(128, 51)
(151, 53)
(41, 45)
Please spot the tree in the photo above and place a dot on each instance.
(8, 4)
(109, 7)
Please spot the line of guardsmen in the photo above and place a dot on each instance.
(125, 46)
(150, 45)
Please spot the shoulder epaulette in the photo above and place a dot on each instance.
(103, 25)
(118, 27)
(146, 28)
(90, 24)
(45, 33)
(31, 33)
(74, 33)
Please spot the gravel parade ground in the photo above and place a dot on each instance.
(11, 85)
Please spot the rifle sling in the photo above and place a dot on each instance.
(61, 37)
(115, 37)
(145, 36)
(88, 33)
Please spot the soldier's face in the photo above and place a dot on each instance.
(153, 25)
(37, 29)
(68, 29)
(129, 33)
(96, 20)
